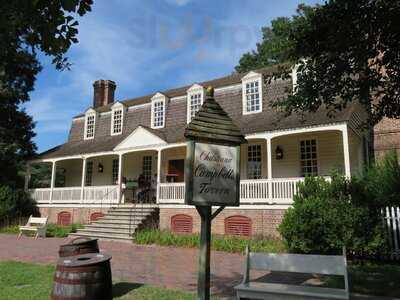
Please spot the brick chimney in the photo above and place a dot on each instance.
(103, 92)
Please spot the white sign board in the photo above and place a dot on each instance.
(215, 174)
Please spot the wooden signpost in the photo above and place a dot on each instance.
(212, 174)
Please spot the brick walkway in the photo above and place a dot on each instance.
(174, 268)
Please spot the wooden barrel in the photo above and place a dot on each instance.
(79, 245)
(86, 276)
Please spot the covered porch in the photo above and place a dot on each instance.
(273, 163)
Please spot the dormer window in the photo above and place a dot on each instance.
(158, 111)
(195, 98)
(252, 93)
(90, 123)
(117, 118)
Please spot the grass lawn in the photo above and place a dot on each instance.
(22, 281)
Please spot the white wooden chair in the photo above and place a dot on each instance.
(319, 264)
(37, 225)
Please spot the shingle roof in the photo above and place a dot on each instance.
(270, 119)
(234, 78)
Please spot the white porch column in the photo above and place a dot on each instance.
(83, 179)
(53, 179)
(120, 178)
(269, 167)
(158, 174)
(346, 151)
(27, 176)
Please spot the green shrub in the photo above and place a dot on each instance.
(54, 230)
(15, 203)
(324, 218)
(10, 229)
(218, 242)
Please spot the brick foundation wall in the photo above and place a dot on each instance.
(80, 215)
(264, 221)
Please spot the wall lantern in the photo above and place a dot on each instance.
(278, 153)
(100, 168)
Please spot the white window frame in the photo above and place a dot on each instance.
(89, 173)
(249, 78)
(88, 114)
(114, 171)
(156, 99)
(317, 154)
(247, 161)
(147, 165)
(117, 107)
(194, 90)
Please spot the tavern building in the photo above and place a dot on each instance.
(122, 166)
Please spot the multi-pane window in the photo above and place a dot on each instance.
(252, 96)
(116, 121)
(147, 167)
(90, 121)
(158, 114)
(254, 161)
(194, 105)
(308, 158)
(115, 167)
(89, 173)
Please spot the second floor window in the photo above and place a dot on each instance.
(195, 102)
(254, 162)
(252, 96)
(158, 114)
(116, 126)
(90, 126)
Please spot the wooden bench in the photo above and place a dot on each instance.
(319, 264)
(37, 225)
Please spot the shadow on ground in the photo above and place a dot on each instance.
(122, 288)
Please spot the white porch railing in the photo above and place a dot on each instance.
(266, 191)
(172, 192)
(270, 191)
(41, 195)
(101, 194)
(107, 194)
(67, 195)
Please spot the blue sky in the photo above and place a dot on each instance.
(147, 46)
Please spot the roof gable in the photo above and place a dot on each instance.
(140, 138)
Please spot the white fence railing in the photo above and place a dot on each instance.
(107, 194)
(277, 191)
(172, 192)
(392, 222)
(41, 195)
(258, 191)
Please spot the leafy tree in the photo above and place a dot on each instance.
(345, 51)
(275, 47)
(348, 51)
(26, 28)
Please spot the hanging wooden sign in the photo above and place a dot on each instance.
(214, 171)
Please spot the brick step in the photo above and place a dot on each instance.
(102, 236)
